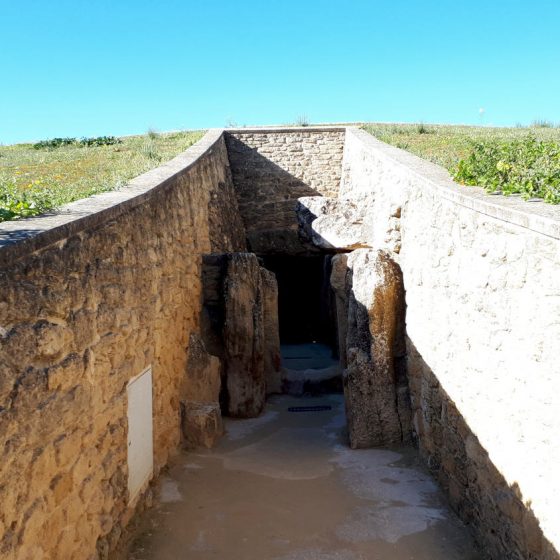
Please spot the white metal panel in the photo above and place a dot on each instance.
(140, 433)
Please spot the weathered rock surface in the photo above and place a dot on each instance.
(201, 423)
(202, 378)
(339, 270)
(201, 417)
(377, 410)
(272, 359)
(243, 335)
(331, 223)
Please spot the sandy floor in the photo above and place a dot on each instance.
(286, 487)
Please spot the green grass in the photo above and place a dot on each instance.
(524, 160)
(36, 180)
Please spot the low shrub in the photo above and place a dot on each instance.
(100, 141)
(54, 143)
(527, 166)
(22, 203)
(94, 141)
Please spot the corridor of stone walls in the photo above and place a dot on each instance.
(313, 348)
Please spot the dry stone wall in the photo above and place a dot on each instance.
(482, 281)
(271, 169)
(89, 298)
(109, 286)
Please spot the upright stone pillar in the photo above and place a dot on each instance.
(201, 419)
(243, 335)
(376, 412)
(272, 360)
(339, 270)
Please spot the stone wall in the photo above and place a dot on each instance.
(482, 281)
(272, 168)
(92, 296)
(89, 298)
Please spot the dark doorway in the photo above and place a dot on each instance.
(305, 301)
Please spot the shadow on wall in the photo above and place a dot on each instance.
(505, 526)
(267, 196)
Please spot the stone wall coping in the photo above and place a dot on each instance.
(536, 216)
(286, 129)
(24, 236)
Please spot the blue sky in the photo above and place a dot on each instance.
(84, 68)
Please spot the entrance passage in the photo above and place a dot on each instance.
(305, 306)
(307, 325)
(285, 486)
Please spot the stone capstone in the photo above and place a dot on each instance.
(377, 409)
(331, 223)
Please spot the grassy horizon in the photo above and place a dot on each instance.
(33, 180)
(503, 160)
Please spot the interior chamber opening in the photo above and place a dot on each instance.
(307, 323)
(305, 301)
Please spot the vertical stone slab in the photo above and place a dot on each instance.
(339, 271)
(272, 360)
(243, 336)
(201, 419)
(202, 377)
(375, 325)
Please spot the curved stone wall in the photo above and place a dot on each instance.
(89, 298)
(94, 295)
(482, 281)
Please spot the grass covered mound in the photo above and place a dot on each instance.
(38, 177)
(507, 160)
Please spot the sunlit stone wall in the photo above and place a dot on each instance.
(89, 299)
(482, 281)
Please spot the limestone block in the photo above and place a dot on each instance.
(243, 335)
(272, 358)
(375, 317)
(332, 223)
(202, 378)
(201, 424)
(338, 284)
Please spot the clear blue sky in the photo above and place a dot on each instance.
(73, 68)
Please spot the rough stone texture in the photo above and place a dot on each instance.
(482, 280)
(202, 378)
(331, 223)
(243, 335)
(90, 297)
(201, 417)
(271, 170)
(339, 271)
(375, 307)
(201, 423)
(272, 359)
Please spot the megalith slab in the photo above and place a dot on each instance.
(244, 337)
(376, 412)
